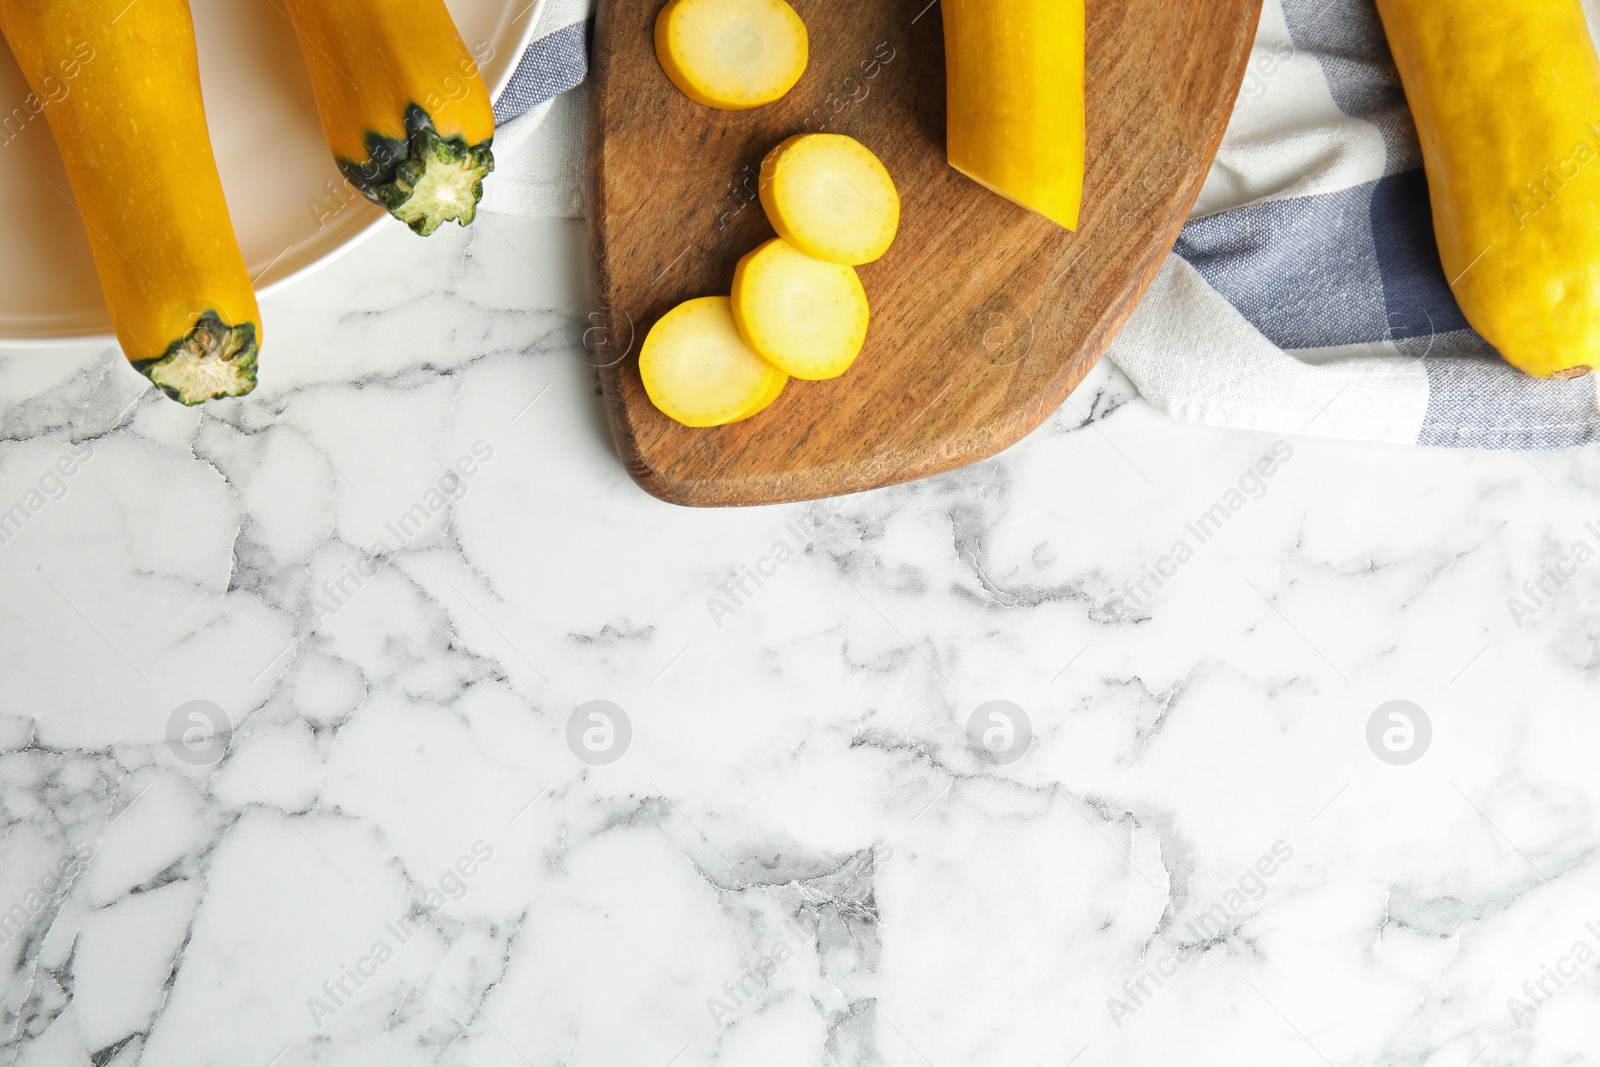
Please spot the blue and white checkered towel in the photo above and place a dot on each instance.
(1306, 295)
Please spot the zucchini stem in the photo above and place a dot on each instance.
(424, 180)
(212, 360)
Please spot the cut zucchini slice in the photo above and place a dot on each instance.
(831, 198)
(698, 371)
(805, 316)
(732, 54)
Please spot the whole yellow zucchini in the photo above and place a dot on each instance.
(403, 105)
(1016, 108)
(132, 132)
(1506, 95)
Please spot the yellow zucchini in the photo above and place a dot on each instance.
(403, 105)
(132, 133)
(1506, 95)
(1016, 112)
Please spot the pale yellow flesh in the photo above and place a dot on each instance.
(698, 371)
(831, 198)
(732, 54)
(1506, 95)
(805, 316)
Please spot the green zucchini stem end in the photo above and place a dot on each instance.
(424, 180)
(210, 361)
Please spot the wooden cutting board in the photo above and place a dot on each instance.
(984, 316)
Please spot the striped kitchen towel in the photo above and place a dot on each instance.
(1305, 295)
(538, 146)
(556, 60)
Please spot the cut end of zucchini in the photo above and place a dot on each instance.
(211, 361)
(1058, 198)
(425, 180)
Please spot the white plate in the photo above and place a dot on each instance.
(291, 208)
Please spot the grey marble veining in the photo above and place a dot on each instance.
(1064, 758)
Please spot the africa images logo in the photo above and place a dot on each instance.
(599, 732)
(999, 732)
(198, 733)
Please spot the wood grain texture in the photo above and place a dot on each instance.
(985, 316)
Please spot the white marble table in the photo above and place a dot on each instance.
(395, 575)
